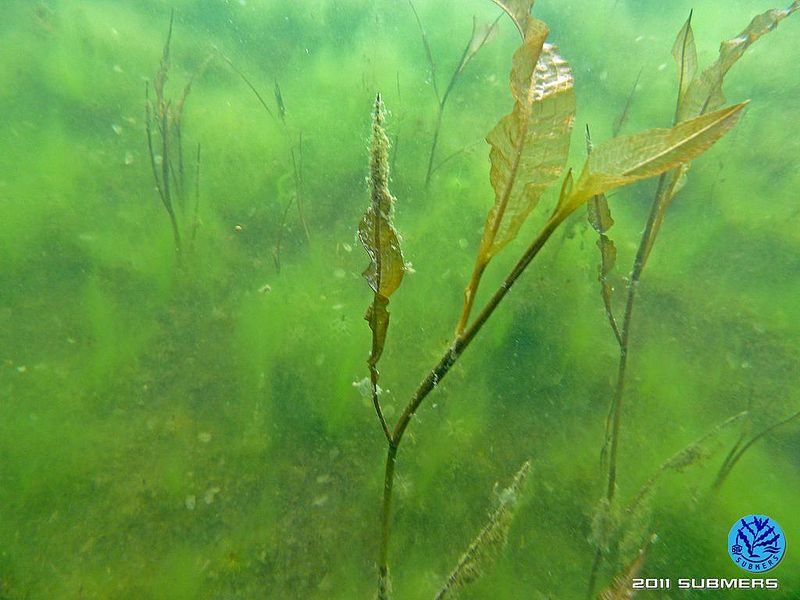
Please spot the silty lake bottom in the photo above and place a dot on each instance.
(186, 405)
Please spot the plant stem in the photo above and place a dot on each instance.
(373, 376)
(432, 379)
(642, 254)
(434, 143)
(734, 456)
(384, 590)
(615, 414)
(195, 220)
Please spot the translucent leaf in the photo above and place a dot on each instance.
(482, 34)
(531, 144)
(626, 159)
(704, 93)
(519, 11)
(699, 94)
(685, 53)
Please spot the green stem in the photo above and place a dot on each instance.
(433, 145)
(384, 587)
(432, 379)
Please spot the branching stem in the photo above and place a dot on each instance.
(435, 376)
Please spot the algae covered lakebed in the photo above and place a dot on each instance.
(200, 201)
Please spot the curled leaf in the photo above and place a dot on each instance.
(379, 237)
(704, 92)
(600, 219)
(699, 94)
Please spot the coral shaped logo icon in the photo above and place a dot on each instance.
(756, 543)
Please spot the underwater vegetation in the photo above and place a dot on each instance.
(543, 403)
(529, 149)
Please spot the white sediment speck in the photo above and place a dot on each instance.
(210, 494)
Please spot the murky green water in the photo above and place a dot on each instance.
(186, 425)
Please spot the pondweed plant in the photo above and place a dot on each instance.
(529, 151)
(163, 118)
(698, 94)
(481, 35)
(163, 129)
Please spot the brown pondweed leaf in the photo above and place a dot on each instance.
(704, 92)
(701, 93)
(519, 11)
(685, 52)
(629, 158)
(529, 146)
(379, 237)
(599, 216)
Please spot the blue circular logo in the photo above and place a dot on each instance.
(756, 543)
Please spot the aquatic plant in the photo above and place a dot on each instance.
(529, 149)
(297, 195)
(743, 444)
(481, 35)
(698, 93)
(163, 118)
